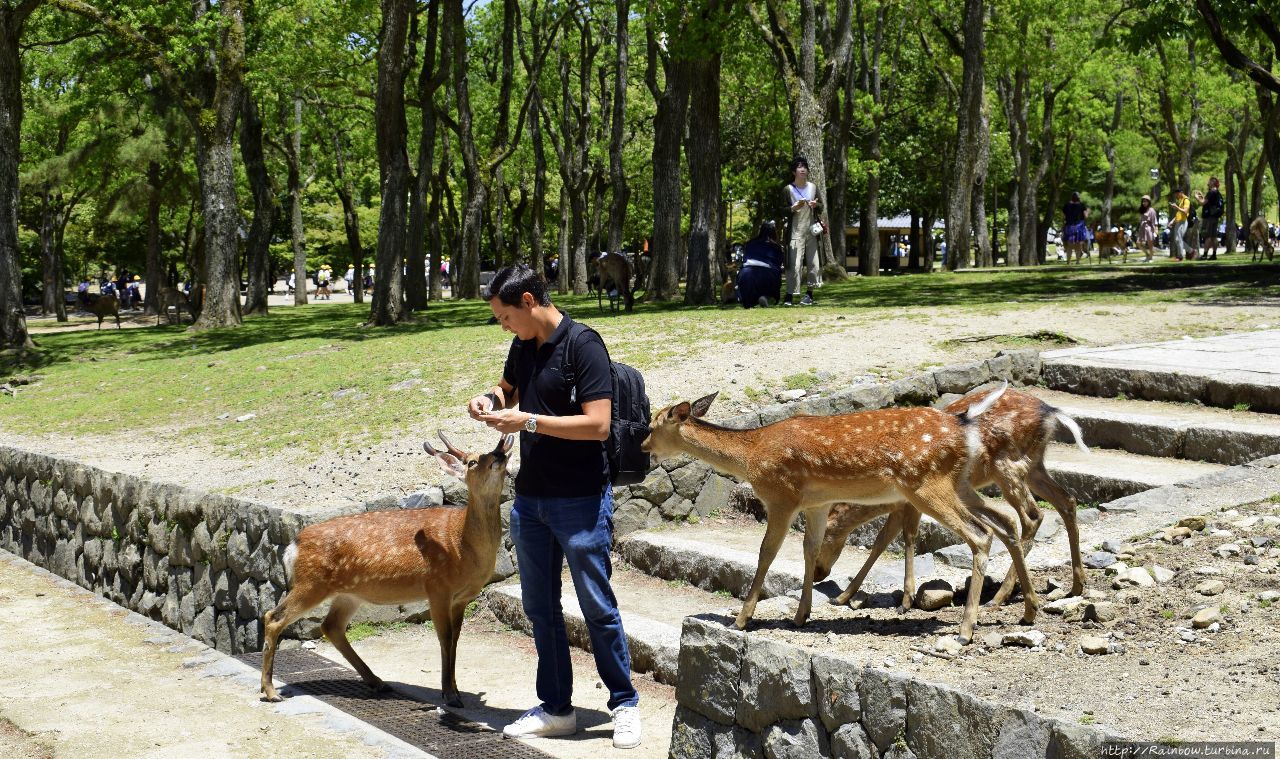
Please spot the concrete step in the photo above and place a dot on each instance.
(1169, 430)
(1103, 475)
(1218, 371)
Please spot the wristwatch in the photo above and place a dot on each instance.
(531, 424)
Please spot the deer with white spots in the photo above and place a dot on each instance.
(869, 459)
(1014, 434)
(444, 556)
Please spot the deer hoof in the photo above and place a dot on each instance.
(454, 701)
(272, 697)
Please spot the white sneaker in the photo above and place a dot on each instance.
(626, 727)
(537, 723)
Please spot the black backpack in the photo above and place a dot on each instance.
(629, 427)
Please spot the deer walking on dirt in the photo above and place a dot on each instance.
(1260, 241)
(869, 459)
(614, 269)
(444, 556)
(172, 296)
(1014, 435)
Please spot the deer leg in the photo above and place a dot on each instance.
(334, 628)
(892, 526)
(941, 501)
(815, 526)
(910, 526)
(774, 533)
(1005, 529)
(1030, 518)
(1047, 488)
(442, 621)
(299, 601)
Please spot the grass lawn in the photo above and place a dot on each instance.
(289, 368)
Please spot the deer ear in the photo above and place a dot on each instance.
(451, 464)
(701, 405)
(680, 412)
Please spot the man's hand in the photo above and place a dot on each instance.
(479, 407)
(505, 421)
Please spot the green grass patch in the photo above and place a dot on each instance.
(317, 381)
(362, 630)
(802, 380)
(1240, 407)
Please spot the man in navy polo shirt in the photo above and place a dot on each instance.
(564, 501)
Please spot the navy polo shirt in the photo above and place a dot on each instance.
(552, 466)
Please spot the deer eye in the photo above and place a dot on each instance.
(472, 463)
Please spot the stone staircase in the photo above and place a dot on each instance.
(1150, 464)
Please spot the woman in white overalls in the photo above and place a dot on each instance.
(804, 200)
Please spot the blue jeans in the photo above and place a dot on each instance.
(547, 531)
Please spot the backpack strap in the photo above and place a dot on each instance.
(569, 366)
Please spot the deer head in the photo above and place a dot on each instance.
(664, 430)
(483, 472)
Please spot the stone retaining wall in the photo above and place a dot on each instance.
(743, 696)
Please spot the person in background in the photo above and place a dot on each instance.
(761, 273)
(802, 250)
(1147, 225)
(82, 294)
(1181, 206)
(350, 277)
(1075, 234)
(1211, 207)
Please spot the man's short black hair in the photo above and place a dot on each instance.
(798, 162)
(510, 284)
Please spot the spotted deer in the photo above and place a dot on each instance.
(1260, 241)
(444, 556)
(1014, 435)
(869, 459)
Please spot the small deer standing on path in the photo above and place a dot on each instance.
(444, 556)
(872, 458)
(1015, 432)
(104, 306)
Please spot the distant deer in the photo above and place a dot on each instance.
(104, 306)
(1110, 242)
(1260, 241)
(444, 556)
(614, 269)
(172, 296)
(869, 459)
(1015, 432)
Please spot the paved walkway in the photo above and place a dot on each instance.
(1249, 357)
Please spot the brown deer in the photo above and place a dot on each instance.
(1260, 241)
(104, 306)
(870, 459)
(615, 269)
(444, 556)
(172, 296)
(1014, 434)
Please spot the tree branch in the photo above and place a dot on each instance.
(1232, 54)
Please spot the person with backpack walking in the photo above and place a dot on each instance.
(1211, 207)
(557, 391)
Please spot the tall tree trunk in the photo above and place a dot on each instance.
(1229, 203)
(668, 131)
(297, 238)
(220, 306)
(466, 261)
(562, 274)
(1108, 194)
(981, 238)
(53, 276)
(388, 305)
(969, 135)
(13, 320)
(703, 153)
(430, 77)
(350, 220)
(264, 208)
(621, 193)
(156, 280)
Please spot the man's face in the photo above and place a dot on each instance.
(518, 320)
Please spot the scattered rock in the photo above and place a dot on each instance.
(992, 639)
(1209, 570)
(1195, 524)
(1113, 546)
(1094, 644)
(1062, 605)
(948, 644)
(1270, 521)
(1136, 576)
(1176, 535)
(1103, 611)
(1227, 550)
(1270, 596)
(1211, 587)
(1246, 523)
(224, 416)
(1260, 542)
(934, 594)
(1206, 617)
(1026, 638)
(246, 417)
(1099, 560)
(408, 384)
(1161, 574)
(791, 395)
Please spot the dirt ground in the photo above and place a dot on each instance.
(1224, 685)
(858, 346)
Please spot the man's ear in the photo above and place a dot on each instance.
(680, 412)
(701, 405)
(527, 300)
